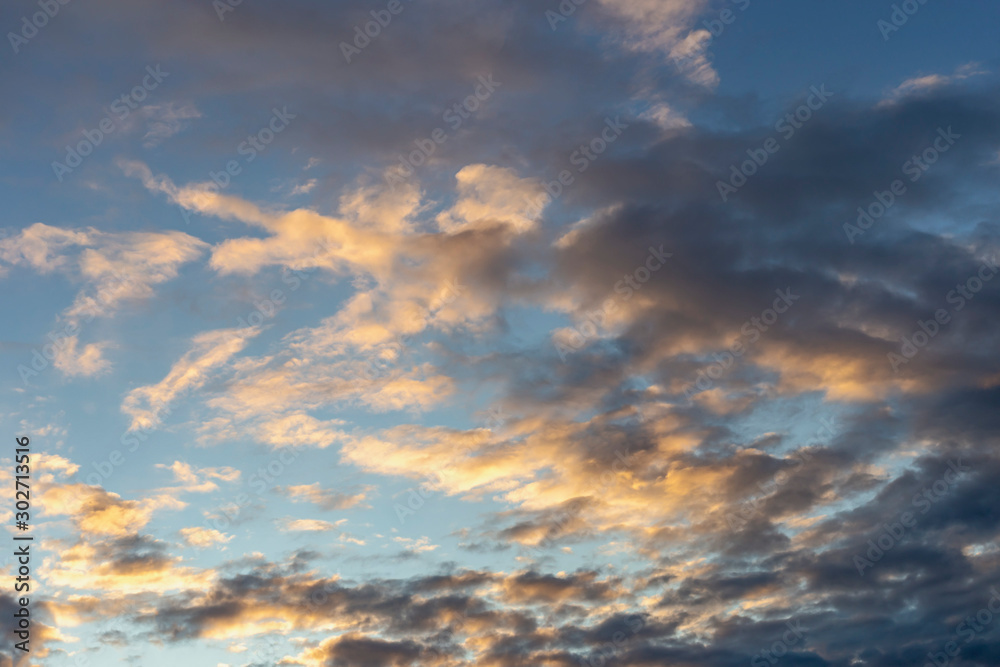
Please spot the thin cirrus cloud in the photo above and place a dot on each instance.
(326, 499)
(113, 270)
(209, 350)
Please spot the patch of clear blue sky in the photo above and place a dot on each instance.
(775, 49)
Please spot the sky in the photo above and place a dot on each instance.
(506, 333)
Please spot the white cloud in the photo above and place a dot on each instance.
(208, 352)
(88, 362)
(203, 537)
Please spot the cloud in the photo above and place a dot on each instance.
(304, 188)
(52, 466)
(489, 196)
(354, 649)
(710, 519)
(203, 537)
(199, 480)
(165, 120)
(924, 85)
(416, 545)
(94, 510)
(665, 27)
(209, 351)
(306, 525)
(88, 362)
(114, 267)
(325, 499)
(129, 565)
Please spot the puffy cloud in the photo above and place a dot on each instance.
(133, 564)
(195, 480)
(306, 525)
(42, 247)
(203, 538)
(489, 196)
(94, 510)
(89, 361)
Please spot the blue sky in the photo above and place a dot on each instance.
(364, 404)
